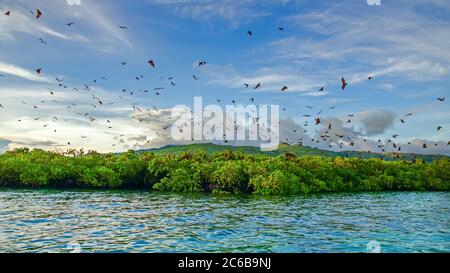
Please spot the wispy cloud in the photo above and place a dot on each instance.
(22, 72)
(96, 15)
(94, 25)
(233, 13)
(22, 21)
(271, 79)
(395, 40)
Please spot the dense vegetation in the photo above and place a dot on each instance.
(295, 149)
(224, 172)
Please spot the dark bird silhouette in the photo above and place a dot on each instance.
(42, 41)
(38, 70)
(250, 33)
(441, 99)
(123, 27)
(201, 63)
(284, 88)
(8, 13)
(439, 128)
(123, 63)
(321, 89)
(246, 85)
(258, 86)
(194, 77)
(424, 146)
(402, 120)
(370, 78)
(344, 83)
(38, 13)
(317, 121)
(70, 24)
(281, 28)
(152, 63)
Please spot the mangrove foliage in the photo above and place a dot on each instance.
(222, 172)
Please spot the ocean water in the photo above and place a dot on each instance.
(138, 221)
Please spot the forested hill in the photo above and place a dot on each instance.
(298, 150)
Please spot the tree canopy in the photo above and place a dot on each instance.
(222, 172)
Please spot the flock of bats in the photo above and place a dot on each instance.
(327, 137)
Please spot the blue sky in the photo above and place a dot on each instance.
(403, 45)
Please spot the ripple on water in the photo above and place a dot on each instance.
(113, 221)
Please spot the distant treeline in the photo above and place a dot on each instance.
(224, 172)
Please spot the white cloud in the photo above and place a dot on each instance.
(92, 19)
(96, 16)
(21, 21)
(23, 73)
(52, 113)
(74, 2)
(271, 79)
(233, 13)
(376, 122)
(395, 40)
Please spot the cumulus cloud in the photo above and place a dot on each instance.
(376, 122)
(335, 134)
(64, 118)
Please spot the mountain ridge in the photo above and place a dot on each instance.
(283, 148)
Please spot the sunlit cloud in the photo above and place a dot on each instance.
(23, 73)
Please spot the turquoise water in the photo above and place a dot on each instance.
(111, 221)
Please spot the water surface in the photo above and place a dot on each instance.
(130, 221)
